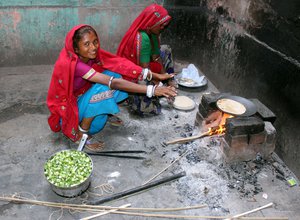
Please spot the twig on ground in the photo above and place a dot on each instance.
(251, 211)
(105, 212)
(152, 178)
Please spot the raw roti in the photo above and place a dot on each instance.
(183, 103)
(187, 81)
(230, 106)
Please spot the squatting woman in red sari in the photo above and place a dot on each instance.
(86, 86)
(141, 45)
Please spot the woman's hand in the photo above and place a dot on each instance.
(165, 91)
(165, 76)
(162, 77)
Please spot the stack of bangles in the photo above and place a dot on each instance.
(145, 74)
(150, 91)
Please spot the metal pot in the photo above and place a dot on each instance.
(72, 191)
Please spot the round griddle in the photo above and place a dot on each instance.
(250, 106)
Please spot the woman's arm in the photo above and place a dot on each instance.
(121, 84)
(155, 76)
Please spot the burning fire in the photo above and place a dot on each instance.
(220, 129)
(216, 130)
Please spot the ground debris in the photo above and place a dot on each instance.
(242, 176)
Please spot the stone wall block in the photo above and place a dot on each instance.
(257, 138)
(244, 125)
(236, 141)
(271, 133)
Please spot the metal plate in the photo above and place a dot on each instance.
(250, 106)
(190, 85)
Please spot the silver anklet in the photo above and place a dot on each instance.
(82, 130)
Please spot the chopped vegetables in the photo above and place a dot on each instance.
(68, 168)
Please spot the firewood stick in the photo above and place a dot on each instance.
(251, 211)
(187, 139)
(105, 212)
(152, 178)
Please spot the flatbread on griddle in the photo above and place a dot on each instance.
(230, 106)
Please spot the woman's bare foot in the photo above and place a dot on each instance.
(91, 144)
(115, 120)
(94, 145)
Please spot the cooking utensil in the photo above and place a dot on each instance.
(77, 189)
(190, 84)
(137, 189)
(249, 105)
(82, 142)
(72, 191)
(119, 154)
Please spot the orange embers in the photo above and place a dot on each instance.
(220, 129)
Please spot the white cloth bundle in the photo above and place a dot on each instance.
(191, 72)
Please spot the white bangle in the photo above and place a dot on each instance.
(150, 78)
(149, 91)
(153, 90)
(110, 81)
(145, 73)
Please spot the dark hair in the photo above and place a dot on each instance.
(79, 33)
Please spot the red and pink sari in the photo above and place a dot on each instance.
(130, 46)
(62, 100)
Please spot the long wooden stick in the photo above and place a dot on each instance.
(195, 216)
(77, 207)
(137, 189)
(105, 212)
(152, 178)
(187, 139)
(91, 208)
(251, 211)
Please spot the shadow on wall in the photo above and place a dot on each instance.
(238, 45)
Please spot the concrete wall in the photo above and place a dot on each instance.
(249, 48)
(33, 32)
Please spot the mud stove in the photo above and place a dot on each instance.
(245, 137)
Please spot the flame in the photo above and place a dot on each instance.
(216, 130)
(220, 129)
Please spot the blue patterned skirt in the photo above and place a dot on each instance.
(98, 102)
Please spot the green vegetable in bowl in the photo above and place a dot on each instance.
(68, 168)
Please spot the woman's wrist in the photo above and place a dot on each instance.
(153, 90)
(110, 81)
(149, 76)
(145, 73)
(149, 91)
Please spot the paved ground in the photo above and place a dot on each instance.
(26, 142)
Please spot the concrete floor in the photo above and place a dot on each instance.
(228, 189)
